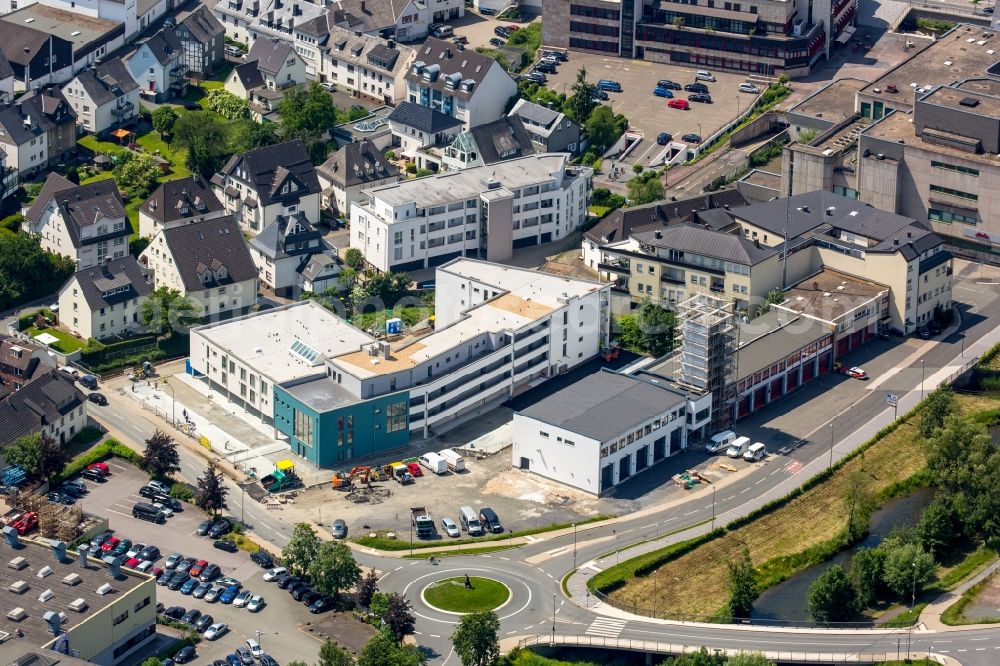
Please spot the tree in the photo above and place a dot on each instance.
(600, 128)
(251, 135)
(153, 661)
(867, 569)
(211, 494)
(749, 659)
(477, 639)
(938, 405)
(333, 568)
(163, 120)
(858, 504)
(37, 454)
(581, 104)
(907, 569)
(742, 585)
(228, 105)
(24, 266)
(137, 174)
(832, 597)
(367, 589)
(700, 658)
(354, 258)
(205, 137)
(398, 617)
(657, 325)
(166, 312)
(308, 113)
(645, 188)
(773, 297)
(331, 654)
(160, 458)
(301, 549)
(382, 650)
(939, 525)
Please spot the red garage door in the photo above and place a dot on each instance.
(776, 391)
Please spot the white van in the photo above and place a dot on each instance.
(738, 447)
(755, 453)
(455, 462)
(720, 441)
(470, 521)
(434, 462)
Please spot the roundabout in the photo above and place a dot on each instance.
(466, 594)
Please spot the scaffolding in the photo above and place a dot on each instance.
(708, 353)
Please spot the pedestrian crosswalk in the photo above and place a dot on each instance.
(607, 627)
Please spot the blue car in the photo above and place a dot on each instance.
(233, 660)
(230, 594)
(188, 587)
(663, 92)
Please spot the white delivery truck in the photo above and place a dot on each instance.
(455, 462)
(738, 447)
(720, 441)
(434, 462)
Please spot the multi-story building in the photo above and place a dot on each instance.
(405, 20)
(104, 97)
(159, 67)
(278, 63)
(336, 394)
(489, 143)
(36, 131)
(768, 37)
(364, 65)
(135, 16)
(177, 202)
(485, 212)
(353, 168)
(203, 40)
(260, 185)
(20, 363)
(283, 250)
(51, 405)
(421, 134)
(551, 131)
(6, 80)
(104, 301)
(466, 85)
(87, 223)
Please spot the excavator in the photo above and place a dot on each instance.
(363, 473)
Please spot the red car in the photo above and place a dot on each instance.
(132, 562)
(101, 467)
(678, 104)
(513, 28)
(414, 469)
(110, 544)
(26, 523)
(197, 568)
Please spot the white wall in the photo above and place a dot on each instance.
(563, 456)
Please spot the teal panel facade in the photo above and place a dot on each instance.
(346, 435)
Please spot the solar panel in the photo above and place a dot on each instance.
(305, 352)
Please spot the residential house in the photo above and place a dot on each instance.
(6, 80)
(87, 223)
(420, 134)
(105, 301)
(178, 202)
(104, 97)
(406, 20)
(51, 405)
(38, 130)
(135, 16)
(56, 117)
(258, 186)
(458, 82)
(21, 362)
(36, 57)
(321, 272)
(500, 140)
(551, 131)
(356, 166)
(364, 65)
(246, 81)
(208, 262)
(203, 39)
(158, 66)
(283, 249)
(278, 63)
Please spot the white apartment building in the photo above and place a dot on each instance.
(104, 97)
(485, 212)
(104, 301)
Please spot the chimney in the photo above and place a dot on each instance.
(756, 243)
(114, 567)
(10, 534)
(390, 44)
(447, 53)
(58, 549)
(805, 209)
(658, 234)
(84, 550)
(364, 7)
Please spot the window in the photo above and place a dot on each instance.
(395, 417)
(944, 216)
(543, 434)
(303, 429)
(955, 193)
(955, 167)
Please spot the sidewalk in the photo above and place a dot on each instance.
(930, 617)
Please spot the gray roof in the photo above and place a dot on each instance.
(181, 199)
(707, 243)
(535, 113)
(210, 245)
(98, 283)
(203, 25)
(604, 405)
(502, 139)
(280, 239)
(43, 401)
(623, 222)
(375, 14)
(249, 75)
(423, 118)
(317, 264)
(47, 110)
(22, 42)
(81, 206)
(165, 46)
(447, 57)
(270, 167)
(773, 337)
(5, 69)
(366, 50)
(357, 164)
(270, 55)
(109, 81)
(322, 394)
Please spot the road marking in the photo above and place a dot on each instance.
(549, 575)
(433, 635)
(646, 527)
(606, 627)
(397, 568)
(505, 558)
(759, 481)
(531, 539)
(591, 565)
(556, 550)
(726, 499)
(418, 633)
(744, 490)
(135, 427)
(972, 640)
(691, 512)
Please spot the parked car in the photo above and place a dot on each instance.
(246, 657)
(668, 84)
(219, 527)
(149, 492)
(166, 510)
(122, 548)
(178, 580)
(663, 138)
(339, 529)
(216, 631)
(678, 104)
(200, 591)
(204, 526)
(211, 572)
(191, 616)
(691, 137)
(198, 567)
(233, 51)
(256, 603)
(99, 540)
(262, 559)
(203, 623)
(545, 68)
(496, 42)
(135, 549)
(609, 85)
(189, 584)
(76, 484)
(285, 583)
(226, 545)
(536, 77)
(662, 92)
(175, 612)
(309, 597)
(101, 467)
(749, 88)
(254, 648)
(213, 594)
(134, 562)
(173, 559)
(450, 528)
(93, 475)
(321, 605)
(142, 567)
(162, 486)
(299, 591)
(185, 654)
(272, 574)
(164, 578)
(696, 87)
(602, 95)
(561, 56)
(60, 498)
(702, 75)
(185, 564)
(98, 399)
(242, 598)
(229, 594)
(857, 373)
(227, 581)
(704, 98)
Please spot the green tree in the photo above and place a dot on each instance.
(331, 654)
(211, 494)
(367, 589)
(832, 597)
(38, 455)
(137, 174)
(657, 326)
(301, 549)
(308, 113)
(582, 102)
(161, 458)
(333, 568)
(228, 105)
(938, 406)
(381, 650)
(773, 297)
(908, 568)
(251, 135)
(166, 312)
(354, 258)
(867, 570)
(379, 604)
(700, 658)
(749, 659)
(601, 129)
(645, 188)
(164, 118)
(205, 137)
(939, 525)
(859, 501)
(398, 617)
(24, 267)
(742, 585)
(477, 639)
(152, 661)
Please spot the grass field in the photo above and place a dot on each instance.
(452, 595)
(67, 343)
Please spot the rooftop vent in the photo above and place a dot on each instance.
(79, 605)
(72, 579)
(970, 102)
(17, 614)
(19, 587)
(58, 550)
(10, 534)
(45, 596)
(105, 589)
(44, 571)
(17, 563)
(55, 620)
(84, 550)
(114, 567)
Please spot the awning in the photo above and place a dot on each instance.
(121, 133)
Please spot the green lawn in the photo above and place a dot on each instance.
(67, 343)
(451, 594)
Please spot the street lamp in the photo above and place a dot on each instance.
(259, 633)
(831, 444)
(173, 404)
(922, 375)
(574, 546)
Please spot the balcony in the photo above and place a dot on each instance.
(620, 266)
(124, 111)
(673, 279)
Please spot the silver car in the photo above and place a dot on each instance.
(449, 527)
(339, 529)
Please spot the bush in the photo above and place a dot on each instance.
(182, 492)
(411, 167)
(424, 172)
(12, 222)
(109, 448)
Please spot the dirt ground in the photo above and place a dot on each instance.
(347, 632)
(986, 605)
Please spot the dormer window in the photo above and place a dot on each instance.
(223, 273)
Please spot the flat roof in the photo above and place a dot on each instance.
(321, 393)
(766, 179)
(897, 126)
(832, 103)
(771, 337)
(986, 104)
(38, 555)
(605, 404)
(829, 295)
(535, 286)
(79, 29)
(265, 340)
(471, 183)
(374, 124)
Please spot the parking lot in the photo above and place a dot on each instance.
(649, 114)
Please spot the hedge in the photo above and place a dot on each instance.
(93, 357)
(109, 448)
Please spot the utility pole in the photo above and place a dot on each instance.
(553, 618)
(713, 508)
(574, 546)
(831, 445)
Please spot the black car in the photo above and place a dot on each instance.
(74, 486)
(267, 660)
(691, 137)
(668, 84)
(309, 597)
(602, 95)
(704, 98)
(93, 475)
(191, 616)
(545, 68)
(501, 31)
(321, 605)
(60, 498)
(262, 559)
(226, 545)
(663, 138)
(299, 590)
(496, 42)
(285, 583)
(151, 553)
(98, 399)
(203, 623)
(204, 526)
(281, 579)
(166, 500)
(165, 577)
(178, 580)
(696, 87)
(219, 527)
(175, 612)
(560, 55)
(71, 490)
(185, 654)
(149, 492)
(211, 572)
(934, 328)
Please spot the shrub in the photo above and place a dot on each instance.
(182, 492)
(109, 448)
